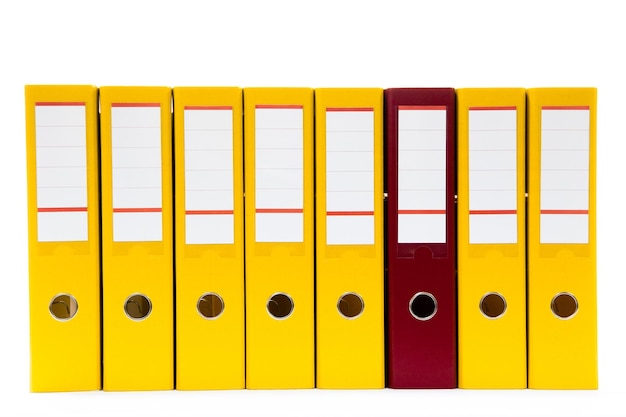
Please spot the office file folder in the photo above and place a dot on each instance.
(137, 241)
(278, 135)
(562, 318)
(491, 237)
(208, 150)
(349, 238)
(63, 237)
(421, 244)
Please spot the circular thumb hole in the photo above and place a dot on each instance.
(210, 306)
(423, 306)
(63, 307)
(564, 305)
(350, 305)
(280, 306)
(137, 307)
(493, 305)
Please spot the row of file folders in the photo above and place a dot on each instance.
(142, 277)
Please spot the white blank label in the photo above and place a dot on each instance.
(137, 170)
(428, 227)
(209, 183)
(422, 174)
(349, 176)
(279, 227)
(564, 175)
(279, 173)
(422, 200)
(209, 228)
(349, 200)
(137, 227)
(493, 175)
(349, 230)
(59, 197)
(61, 166)
(564, 228)
(493, 228)
(62, 226)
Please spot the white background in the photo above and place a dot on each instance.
(314, 43)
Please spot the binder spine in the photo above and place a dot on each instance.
(279, 238)
(64, 243)
(491, 238)
(137, 237)
(349, 231)
(210, 330)
(421, 237)
(562, 239)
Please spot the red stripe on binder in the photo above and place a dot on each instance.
(278, 210)
(493, 212)
(60, 103)
(60, 209)
(138, 210)
(494, 108)
(349, 213)
(564, 211)
(421, 107)
(200, 212)
(278, 106)
(421, 212)
(135, 104)
(565, 108)
(349, 109)
(208, 107)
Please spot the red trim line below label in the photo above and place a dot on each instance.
(564, 211)
(201, 212)
(278, 210)
(493, 212)
(349, 213)
(60, 209)
(138, 210)
(421, 212)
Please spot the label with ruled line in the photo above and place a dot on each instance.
(493, 175)
(349, 176)
(421, 174)
(209, 195)
(279, 173)
(564, 174)
(136, 150)
(61, 154)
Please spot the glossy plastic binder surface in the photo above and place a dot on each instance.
(278, 132)
(491, 237)
(63, 237)
(137, 238)
(562, 317)
(349, 223)
(208, 150)
(421, 237)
